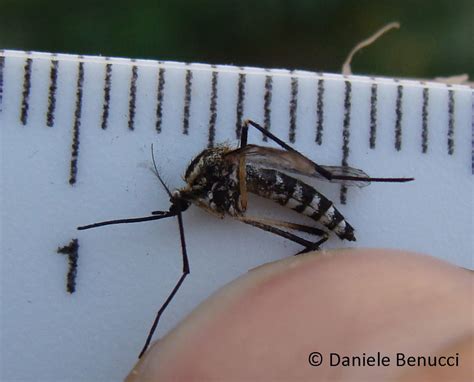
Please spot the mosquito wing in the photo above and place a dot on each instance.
(349, 172)
(295, 163)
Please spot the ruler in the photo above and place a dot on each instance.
(76, 133)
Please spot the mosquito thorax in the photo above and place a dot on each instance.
(208, 160)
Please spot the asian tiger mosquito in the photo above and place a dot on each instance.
(219, 178)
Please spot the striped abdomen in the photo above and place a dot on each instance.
(297, 195)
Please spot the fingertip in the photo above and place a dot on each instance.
(272, 317)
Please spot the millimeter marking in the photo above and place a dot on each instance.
(213, 110)
(2, 65)
(132, 98)
(450, 121)
(320, 112)
(373, 115)
(346, 135)
(26, 91)
(398, 120)
(267, 98)
(424, 121)
(107, 89)
(293, 107)
(159, 99)
(472, 138)
(53, 86)
(240, 104)
(76, 125)
(187, 101)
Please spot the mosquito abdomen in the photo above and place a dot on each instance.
(299, 196)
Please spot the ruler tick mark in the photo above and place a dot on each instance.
(398, 120)
(472, 139)
(293, 108)
(346, 135)
(2, 66)
(424, 121)
(267, 98)
(240, 103)
(373, 115)
(26, 91)
(132, 98)
(107, 88)
(213, 110)
(187, 101)
(450, 121)
(53, 86)
(320, 112)
(159, 99)
(76, 125)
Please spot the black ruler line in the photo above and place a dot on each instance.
(267, 102)
(213, 110)
(373, 115)
(472, 138)
(346, 135)
(398, 118)
(424, 121)
(450, 121)
(293, 108)
(107, 89)
(53, 86)
(320, 112)
(26, 91)
(77, 124)
(2, 66)
(187, 101)
(240, 103)
(159, 99)
(132, 98)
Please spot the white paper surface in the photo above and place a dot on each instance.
(126, 272)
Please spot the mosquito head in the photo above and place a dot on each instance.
(178, 203)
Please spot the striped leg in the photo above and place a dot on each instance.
(271, 226)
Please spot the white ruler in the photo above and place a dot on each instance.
(75, 149)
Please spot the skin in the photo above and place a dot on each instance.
(264, 325)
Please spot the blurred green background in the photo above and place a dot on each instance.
(436, 37)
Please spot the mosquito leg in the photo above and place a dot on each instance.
(186, 272)
(270, 226)
(295, 227)
(302, 228)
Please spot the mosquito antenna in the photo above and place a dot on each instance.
(158, 174)
(186, 271)
(162, 215)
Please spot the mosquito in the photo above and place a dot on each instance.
(219, 179)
